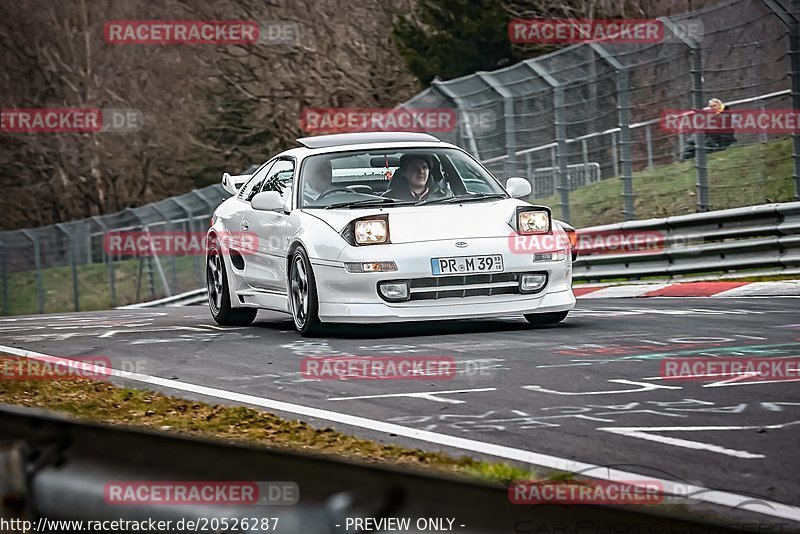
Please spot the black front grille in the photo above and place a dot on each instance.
(436, 287)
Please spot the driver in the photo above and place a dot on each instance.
(318, 179)
(413, 180)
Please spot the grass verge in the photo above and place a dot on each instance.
(740, 176)
(103, 402)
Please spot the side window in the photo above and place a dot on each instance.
(253, 186)
(280, 178)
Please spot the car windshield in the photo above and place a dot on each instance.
(387, 178)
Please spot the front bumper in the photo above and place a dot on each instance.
(353, 297)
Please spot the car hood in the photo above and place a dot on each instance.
(486, 218)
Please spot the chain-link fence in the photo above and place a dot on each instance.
(583, 123)
(71, 266)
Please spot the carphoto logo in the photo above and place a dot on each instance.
(732, 369)
(55, 368)
(779, 121)
(187, 32)
(601, 492)
(145, 243)
(70, 120)
(560, 31)
(378, 368)
(171, 493)
(339, 120)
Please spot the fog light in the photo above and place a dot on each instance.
(394, 291)
(558, 255)
(371, 267)
(531, 283)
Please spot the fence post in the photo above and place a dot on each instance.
(73, 262)
(559, 103)
(508, 121)
(37, 262)
(623, 94)
(200, 259)
(791, 22)
(112, 281)
(464, 126)
(146, 230)
(701, 167)
(172, 266)
(649, 139)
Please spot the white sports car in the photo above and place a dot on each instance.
(384, 227)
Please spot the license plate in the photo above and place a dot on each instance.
(467, 265)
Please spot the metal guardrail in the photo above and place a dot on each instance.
(57, 468)
(196, 296)
(757, 237)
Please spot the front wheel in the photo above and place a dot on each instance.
(219, 298)
(546, 318)
(303, 295)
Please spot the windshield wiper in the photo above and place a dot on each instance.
(366, 202)
(461, 198)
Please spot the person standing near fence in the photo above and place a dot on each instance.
(716, 139)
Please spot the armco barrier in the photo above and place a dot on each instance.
(757, 237)
(57, 468)
(738, 239)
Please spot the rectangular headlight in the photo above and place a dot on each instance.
(371, 231)
(533, 222)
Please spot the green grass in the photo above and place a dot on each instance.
(93, 285)
(739, 176)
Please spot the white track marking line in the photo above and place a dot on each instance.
(732, 500)
(646, 432)
(427, 395)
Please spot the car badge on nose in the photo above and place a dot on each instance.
(461, 244)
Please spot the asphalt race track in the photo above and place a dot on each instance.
(587, 390)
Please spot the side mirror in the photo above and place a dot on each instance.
(518, 187)
(267, 201)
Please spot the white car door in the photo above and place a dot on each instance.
(265, 268)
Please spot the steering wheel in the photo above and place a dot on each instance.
(334, 190)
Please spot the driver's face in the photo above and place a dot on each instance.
(417, 173)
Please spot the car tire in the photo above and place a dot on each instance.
(546, 318)
(303, 300)
(219, 297)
